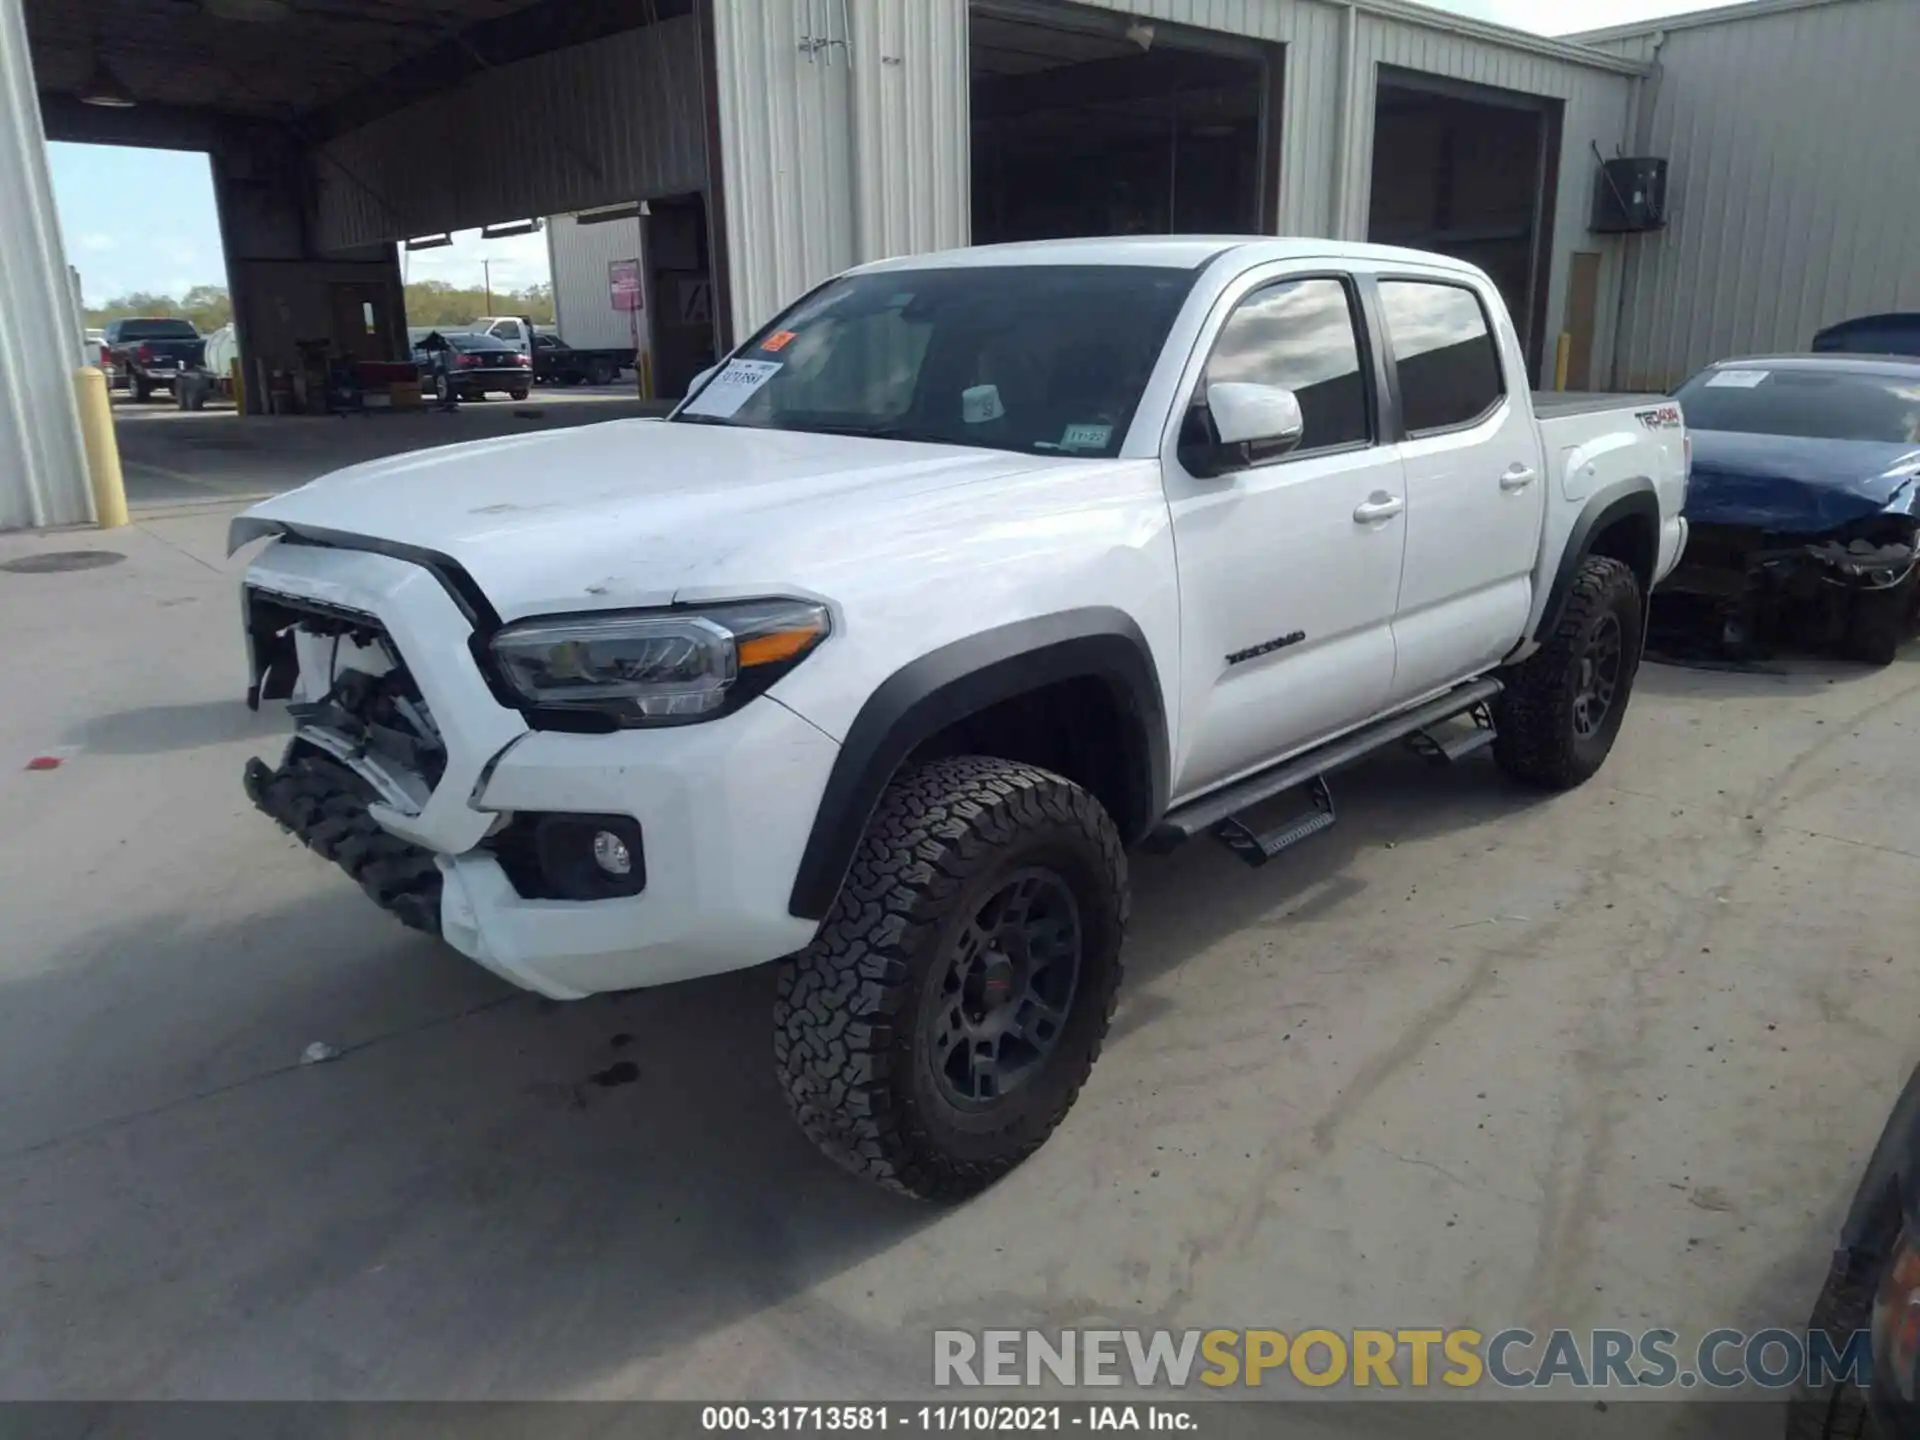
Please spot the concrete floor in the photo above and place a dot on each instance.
(1476, 1056)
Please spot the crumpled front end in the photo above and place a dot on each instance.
(1741, 588)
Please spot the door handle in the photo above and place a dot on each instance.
(1378, 506)
(1518, 477)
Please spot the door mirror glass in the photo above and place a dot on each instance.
(1250, 423)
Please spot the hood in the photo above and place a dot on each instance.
(631, 512)
(1793, 486)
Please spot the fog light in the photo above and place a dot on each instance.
(610, 853)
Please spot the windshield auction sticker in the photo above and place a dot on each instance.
(732, 388)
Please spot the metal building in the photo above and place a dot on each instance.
(777, 141)
(1792, 200)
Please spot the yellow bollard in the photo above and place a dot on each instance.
(235, 378)
(103, 449)
(1562, 357)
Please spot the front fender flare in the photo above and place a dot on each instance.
(924, 697)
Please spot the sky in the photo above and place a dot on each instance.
(144, 219)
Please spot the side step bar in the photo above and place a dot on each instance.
(1217, 812)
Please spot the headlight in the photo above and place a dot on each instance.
(658, 667)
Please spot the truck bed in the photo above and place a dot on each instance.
(1557, 404)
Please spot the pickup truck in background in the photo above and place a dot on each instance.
(150, 354)
(555, 362)
(961, 577)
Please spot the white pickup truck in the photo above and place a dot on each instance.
(964, 575)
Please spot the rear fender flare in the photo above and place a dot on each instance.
(946, 685)
(1630, 500)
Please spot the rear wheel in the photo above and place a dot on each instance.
(442, 390)
(519, 394)
(1557, 719)
(942, 1023)
(599, 372)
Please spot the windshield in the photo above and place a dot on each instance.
(158, 330)
(1806, 404)
(1039, 358)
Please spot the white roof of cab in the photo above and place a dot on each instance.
(1179, 252)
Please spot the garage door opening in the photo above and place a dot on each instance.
(1470, 171)
(1090, 124)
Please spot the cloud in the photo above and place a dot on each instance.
(95, 240)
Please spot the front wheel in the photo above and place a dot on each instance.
(941, 1024)
(519, 394)
(1556, 721)
(1879, 621)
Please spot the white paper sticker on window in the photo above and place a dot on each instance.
(732, 387)
(981, 403)
(1737, 379)
(1086, 437)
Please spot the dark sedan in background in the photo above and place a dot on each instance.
(457, 366)
(1804, 504)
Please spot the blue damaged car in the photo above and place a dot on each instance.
(1804, 503)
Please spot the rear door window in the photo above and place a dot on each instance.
(1444, 349)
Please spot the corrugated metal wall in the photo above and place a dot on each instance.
(1793, 198)
(805, 87)
(619, 119)
(844, 125)
(582, 291)
(1597, 108)
(43, 470)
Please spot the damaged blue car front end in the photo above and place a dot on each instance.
(1804, 536)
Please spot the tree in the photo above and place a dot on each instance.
(207, 306)
(436, 303)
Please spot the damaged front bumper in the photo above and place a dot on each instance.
(1743, 587)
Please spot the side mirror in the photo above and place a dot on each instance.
(1251, 425)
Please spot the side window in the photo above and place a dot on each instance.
(1449, 364)
(1299, 334)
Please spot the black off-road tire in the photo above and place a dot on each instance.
(1536, 739)
(1879, 622)
(850, 1042)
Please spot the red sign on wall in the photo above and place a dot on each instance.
(623, 283)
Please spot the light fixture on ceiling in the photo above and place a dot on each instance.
(509, 230)
(104, 88)
(430, 242)
(1141, 35)
(252, 12)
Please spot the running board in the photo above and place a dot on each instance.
(1209, 811)
(1257, 849)
(1443, 748)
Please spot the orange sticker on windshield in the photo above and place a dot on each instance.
(779, 340)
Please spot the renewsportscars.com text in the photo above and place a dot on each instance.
(1409, 1359)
